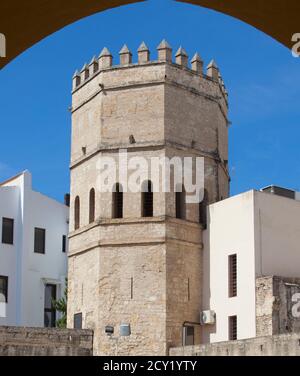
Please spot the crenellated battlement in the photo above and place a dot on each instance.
(164, 55)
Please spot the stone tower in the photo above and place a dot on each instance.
(127, 266)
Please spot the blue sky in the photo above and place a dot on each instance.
(261, 75)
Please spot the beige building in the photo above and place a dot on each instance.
(136, 258)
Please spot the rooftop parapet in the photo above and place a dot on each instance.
(164, 55)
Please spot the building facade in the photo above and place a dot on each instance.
(142, 251)
(250, 238)
(33, 254)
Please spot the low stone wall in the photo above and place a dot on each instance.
(281, 345)
(15, 341)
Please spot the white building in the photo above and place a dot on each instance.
(251, 235)
(33, 259)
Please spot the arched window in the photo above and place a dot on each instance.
(203, 210)
(180, 202)
(77, 213)
(92, 206)
(147, 199)
(117, 202)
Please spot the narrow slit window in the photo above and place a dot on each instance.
(77, 213)
(232, 328)
(64, 243)
(180, 202)
(118, 201)
(92, 206)
(147, 199)
(232, 266)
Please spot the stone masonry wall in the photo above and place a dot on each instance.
(274, 305)
(17, 341)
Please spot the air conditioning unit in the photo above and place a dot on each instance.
(207, 317)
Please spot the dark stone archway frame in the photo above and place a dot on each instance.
(26, 23)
